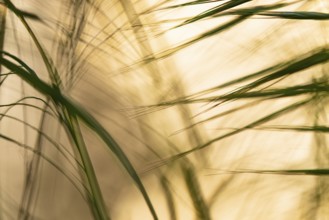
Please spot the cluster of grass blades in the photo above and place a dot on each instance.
(169, 133)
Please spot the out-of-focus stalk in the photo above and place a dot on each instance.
(3, 12)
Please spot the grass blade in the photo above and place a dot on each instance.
(311, 172)
(298, 15)
(3, 14)
(225, 6)
(194, 189)
(60, 100)
(250, 125)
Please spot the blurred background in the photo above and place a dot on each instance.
(218, 106)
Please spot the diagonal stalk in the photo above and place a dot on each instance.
(31, 178)
(194, 135)
(97, 201)
(142, 40)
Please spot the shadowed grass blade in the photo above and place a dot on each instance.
(3, 15)
(21, 13)
(316, 128)
(169, 197)
(298, 15)
(194, 190)
(311, 172)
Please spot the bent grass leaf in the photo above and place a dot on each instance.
(213, 31)
(60, 100)
(21, 13)
(275, 72)
(267, 94)
(252, 10)
(203, 36)
(215, 10)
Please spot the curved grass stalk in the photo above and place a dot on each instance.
(55, 94)
(77, 111)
